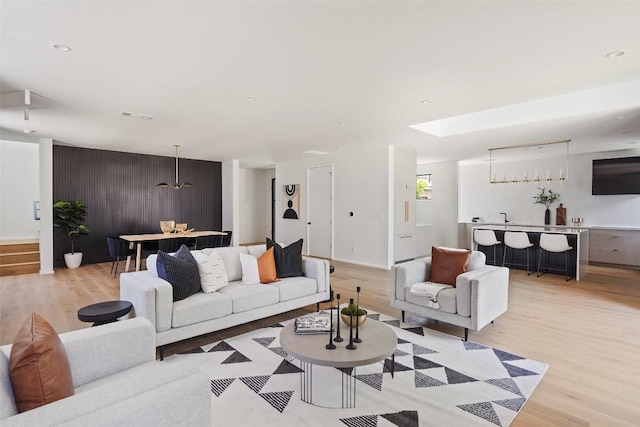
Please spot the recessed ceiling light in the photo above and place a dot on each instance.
(425, 101)
(314, 152)
(136, 115)
(61, 47)
(341, 123)
(250, 99)
(633, 142)
(616, 53)
(29, 131)
(626, 132)
(620, 117)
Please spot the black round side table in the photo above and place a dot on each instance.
(104, 312)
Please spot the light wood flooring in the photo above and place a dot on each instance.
(587, 331)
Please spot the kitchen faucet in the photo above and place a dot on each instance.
(505, 217)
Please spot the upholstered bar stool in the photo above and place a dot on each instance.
(556, 243)
(516, 240)
(486, 238)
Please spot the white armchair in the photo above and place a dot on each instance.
(479, 297)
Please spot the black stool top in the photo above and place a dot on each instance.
(107, 311)
(331, 268)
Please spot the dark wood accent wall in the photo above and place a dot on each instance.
(120, 192)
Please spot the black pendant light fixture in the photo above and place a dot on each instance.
(177, 184)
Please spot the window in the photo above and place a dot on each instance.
(423, 187)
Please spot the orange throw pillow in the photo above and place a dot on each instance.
(446, 265)
(267, 267)
(38, 365)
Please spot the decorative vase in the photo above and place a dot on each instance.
(360, 319)
(547, 217)
(73, 260)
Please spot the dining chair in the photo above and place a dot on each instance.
(118, 248)
(226, 239)
(172, 245)
(209, 242)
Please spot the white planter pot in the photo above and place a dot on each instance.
(73, 260)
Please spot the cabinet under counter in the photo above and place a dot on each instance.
(578, 238)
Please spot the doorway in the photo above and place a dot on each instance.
(320, 211)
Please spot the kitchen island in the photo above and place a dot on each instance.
(578, 238)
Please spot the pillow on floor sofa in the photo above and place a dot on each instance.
(258, 270)
(38, 365)
(288, 259)
(183, 275)
(447, 264)
(213, 275)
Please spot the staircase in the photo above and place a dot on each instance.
(19, 258)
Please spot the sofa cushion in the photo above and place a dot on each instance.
(267, 267)
(213, 275)
(232, 261)
(447, 264)
(446, 299)
(288, 259)
(38, 365)
(257, 250)
(7, 399)
(199, 308)
(183, 275)
(295, 287)
(248, 297)
(250, 273)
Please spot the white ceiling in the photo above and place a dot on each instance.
(324, 75)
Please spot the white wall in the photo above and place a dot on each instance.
(361, 186)
(19, 187)
(231, 198)
(255, 205)
(442, 210)
(479, 198)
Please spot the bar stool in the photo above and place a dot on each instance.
(516, 240)
(486, 238)
(556, 243)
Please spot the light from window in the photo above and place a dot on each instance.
(423, 187)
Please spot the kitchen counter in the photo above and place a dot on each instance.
(577, 237)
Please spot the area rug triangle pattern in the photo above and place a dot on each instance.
(438, 380)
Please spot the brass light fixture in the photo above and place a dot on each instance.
(501, 176)
(177, 184)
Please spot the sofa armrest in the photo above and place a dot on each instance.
(406, 274)
(318, 269)
(483, 294)
(151, 296)
(102, 351)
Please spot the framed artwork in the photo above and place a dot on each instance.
(291, 201)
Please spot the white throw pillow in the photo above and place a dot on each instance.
(250, 272)
(213, 275)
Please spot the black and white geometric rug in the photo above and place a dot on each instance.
(440, 380)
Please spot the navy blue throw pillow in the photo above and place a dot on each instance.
(288, 259)
(183, 276)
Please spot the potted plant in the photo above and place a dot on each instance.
(70, 216)
(359, 314)
(546, 198)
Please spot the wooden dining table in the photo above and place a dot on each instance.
(139, 239)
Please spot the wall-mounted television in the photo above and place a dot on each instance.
(616, 176)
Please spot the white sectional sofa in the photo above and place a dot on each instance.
(117, 382)
(232, 305)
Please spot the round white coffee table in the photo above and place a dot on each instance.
(378, 342)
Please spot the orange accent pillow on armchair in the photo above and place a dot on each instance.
(446, 265)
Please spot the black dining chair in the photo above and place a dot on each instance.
(226, 239)
(208, 242)
(118, 248)
(172, 245)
